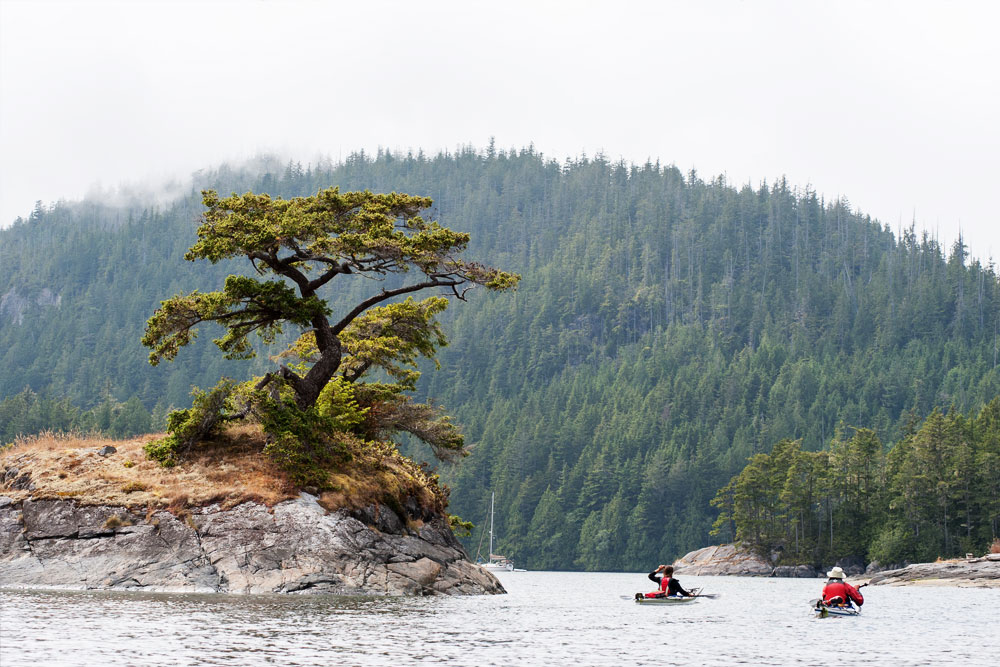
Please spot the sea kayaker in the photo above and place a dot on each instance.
(839, 592)
(663, 577)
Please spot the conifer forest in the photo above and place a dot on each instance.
(685, 360)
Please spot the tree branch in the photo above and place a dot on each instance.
(353, 377)
(337, 267)
(388, 294)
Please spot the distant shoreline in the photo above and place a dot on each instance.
(729, 560)
(967, 573)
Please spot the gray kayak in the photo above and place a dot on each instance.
(824, 611)
(672, 599)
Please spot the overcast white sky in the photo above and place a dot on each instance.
(895, 105)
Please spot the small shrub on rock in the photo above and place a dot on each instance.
(189, 426)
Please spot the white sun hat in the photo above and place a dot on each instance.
(836, 573)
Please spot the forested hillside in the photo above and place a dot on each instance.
(666, 329)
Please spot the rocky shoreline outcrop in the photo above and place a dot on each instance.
(730, 560)
(724, 560)
(973, 573)
(295, 546)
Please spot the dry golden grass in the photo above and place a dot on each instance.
(228, 470)
(384, 487)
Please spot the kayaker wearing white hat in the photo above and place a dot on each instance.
(839, 592)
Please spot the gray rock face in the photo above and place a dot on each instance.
(294, 547)
(795, 571)
(976, 572)
(724, 559)
(12, 478)
(728, 560)
(874, 567)
(852, 565)
(14, 305)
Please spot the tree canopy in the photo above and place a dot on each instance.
(296, 248)
(309, 241)
(934, 494)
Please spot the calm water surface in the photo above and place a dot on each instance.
(548, 618)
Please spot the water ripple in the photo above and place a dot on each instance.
(549, 618)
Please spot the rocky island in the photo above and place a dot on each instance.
(87, 514)
(290, 481)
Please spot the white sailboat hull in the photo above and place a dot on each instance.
(497, 567)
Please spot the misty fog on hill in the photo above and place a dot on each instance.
(892, 104)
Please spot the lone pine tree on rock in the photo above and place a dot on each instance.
(296, 247)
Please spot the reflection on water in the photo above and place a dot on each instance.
(548, 618)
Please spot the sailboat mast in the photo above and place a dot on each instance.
(493, 496)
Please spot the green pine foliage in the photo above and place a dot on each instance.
(934, 494)
(189, 426)
(666, 329)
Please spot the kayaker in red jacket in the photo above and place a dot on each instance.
(668, 585)
(837, 591)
